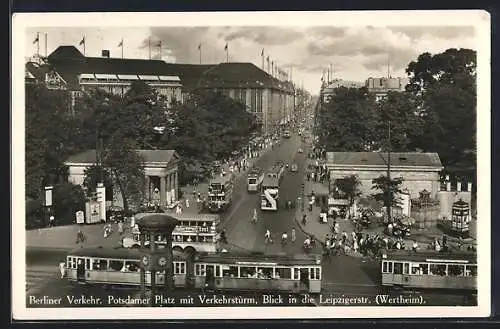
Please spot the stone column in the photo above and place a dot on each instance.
(176, 186)
(162, 191)
(169, 183)
(148, 188)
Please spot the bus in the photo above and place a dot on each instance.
(254, 179)
(194, 232)
(220, 192)
(212, 271)
(429, 270)
(270, 187)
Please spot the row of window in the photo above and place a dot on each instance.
(101, 264)
(184, 238)
(259, 272)
(429, 269)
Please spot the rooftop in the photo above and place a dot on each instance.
(399, 159)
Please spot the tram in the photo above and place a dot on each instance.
(212, 271)
(429, 270)
(194, 232)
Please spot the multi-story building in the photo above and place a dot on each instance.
(381, 86)
(328, 89)
(271, 100)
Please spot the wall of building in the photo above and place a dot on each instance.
(449, 196)
(413, 181)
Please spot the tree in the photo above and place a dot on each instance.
(93, 176)
(68, 199)
(347, 122)
(398, 108)
(389, 191)
(127, 170)
(48, 137)
(349, 185)
(445, 88)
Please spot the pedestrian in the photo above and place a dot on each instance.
(52, 221)
(304, 219)
(294, 237)
(178, 210)
(187, 203)
(132, 222)
(62, 269)
(415, 246)
(120, 227)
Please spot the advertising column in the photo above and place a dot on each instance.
(101, 199)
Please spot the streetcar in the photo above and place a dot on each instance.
(210, 271)
(220, 192)
(254, 179)
(194, 232)
(117, 267)
(270, 188)
(429, 270)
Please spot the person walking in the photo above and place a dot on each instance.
(187, 203)
(132, 222)
(120, 227)
(62, 269)
(52, 221)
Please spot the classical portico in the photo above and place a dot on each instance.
(160, 167)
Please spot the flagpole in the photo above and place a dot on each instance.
(38, 44)
(199, 48)
(262, 56)
(45, 44)
(122, 48)
(227, 53)
(84, 46)
(160, 49)
(149, 47)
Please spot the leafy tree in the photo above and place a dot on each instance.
(349, 185)
(398, 109)
(389, 191)
(347, 122)
(445, 88)
(93, 176)
(48, 137)
(127, 170)
(68, 199)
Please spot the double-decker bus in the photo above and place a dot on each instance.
(270, 187)
(194, 232)
(220, 192)
(429, 270)
(254, 179)
(212, 271)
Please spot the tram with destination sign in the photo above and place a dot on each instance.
(194, 232)
(254, 179)
(220, 192)
(429, 270)
(206, 271)
(270, 187)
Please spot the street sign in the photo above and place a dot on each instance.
(80, 217)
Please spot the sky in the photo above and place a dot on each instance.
(354, 52)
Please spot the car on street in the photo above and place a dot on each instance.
(294, 168)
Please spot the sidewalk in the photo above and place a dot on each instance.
(319, 230)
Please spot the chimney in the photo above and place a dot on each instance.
(459, 186)
(448, 186)
(105, 53)
(469, 187)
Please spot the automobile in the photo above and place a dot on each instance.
(294, 168)
(300, 150)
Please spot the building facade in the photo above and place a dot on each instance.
(328, 89)
(160, 166)
(419, 171)
(272, 101)
(381, 86)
